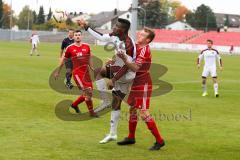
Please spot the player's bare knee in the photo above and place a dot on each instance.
(116, 103)
(214, 80)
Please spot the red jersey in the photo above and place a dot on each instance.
(144, 59)
(80, 56)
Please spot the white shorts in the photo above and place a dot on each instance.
(123, 87)
(34, 45)
(209, 71)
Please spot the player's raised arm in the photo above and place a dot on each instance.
(133, 66)
(94, 33)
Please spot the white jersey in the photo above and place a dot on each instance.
(35, 39)
(210, 57)
(119, 46)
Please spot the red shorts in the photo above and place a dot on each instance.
(82, 79)
(140, 95)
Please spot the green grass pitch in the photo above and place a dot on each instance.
(30, 130)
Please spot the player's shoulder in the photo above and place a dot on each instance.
(70, 46)
(215, 50)
(65, 39)
(86, 44)
(204, 50)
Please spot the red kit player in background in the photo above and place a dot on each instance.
(139, 97)
(80, 54)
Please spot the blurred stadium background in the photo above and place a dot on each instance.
(176, 26)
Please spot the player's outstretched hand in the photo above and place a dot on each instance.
(82, 23)
(109, 62)
(121, 55)
(110, 84)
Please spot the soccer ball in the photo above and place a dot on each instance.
(60, 16)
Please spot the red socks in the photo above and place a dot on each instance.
(132, 124)
(78, 101)
(89, 105)
(153, 128)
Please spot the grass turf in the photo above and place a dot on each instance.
(29, 128)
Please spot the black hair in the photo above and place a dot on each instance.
(77, 31)
(125, 23)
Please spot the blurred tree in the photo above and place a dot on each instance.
(190, 18)
(180, 13)
(6, 16)
(154, 17)
(202, 18)
(41, 16)
(25, 18)
(34, 16)
(69, 21)
(205, 17)
(49, 16)
(1, 13)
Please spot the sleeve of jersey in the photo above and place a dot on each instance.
(120, 73)
(219, 59)
(63, 45)
(99, 36)
(200, 57)
(139, 60)
(67, 53)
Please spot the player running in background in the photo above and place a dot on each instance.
(210, 57)
(34, 40)
(80, 55)
(140, 94)
(116, 70)
(68, 64)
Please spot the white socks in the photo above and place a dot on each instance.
(215, 86)
(204, 87)
(115, 116)
(102, 88)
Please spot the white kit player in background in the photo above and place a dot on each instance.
(210, 56)
(34, 41)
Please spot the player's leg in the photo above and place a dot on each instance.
(69, 67)
(75, 104)
(132, 125)
(215, 82)
(115, 116)
(88, 100)
(204, 86)
(99, 74)
(32, 49)
(215, 86)
(81, 98)
(150, 122)
(205, 74)
(36, 50)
